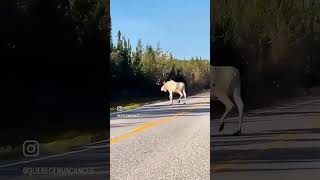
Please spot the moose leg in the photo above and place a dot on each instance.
(239, 103)
(180, 96)
(228, 104)
(185, 96)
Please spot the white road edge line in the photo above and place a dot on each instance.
(54, 156)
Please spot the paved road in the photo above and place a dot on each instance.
(280, 142)
(93, 156)
(162, 142)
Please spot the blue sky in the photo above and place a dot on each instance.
(182, 27)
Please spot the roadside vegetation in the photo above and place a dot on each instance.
(275, 45)
(134, 72)
(54, 71)
(132, 103)
(55, 144)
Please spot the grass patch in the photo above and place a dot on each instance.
(126, 106)
(9, 152)
(133, 103)
(62, 143)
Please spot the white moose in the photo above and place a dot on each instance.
(174, 87)
(224, 82)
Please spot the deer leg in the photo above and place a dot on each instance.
(239, 103)
(228, 104)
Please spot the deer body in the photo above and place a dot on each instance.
(174, 87)
(226, 83)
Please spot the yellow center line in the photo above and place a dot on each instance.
(148, 125)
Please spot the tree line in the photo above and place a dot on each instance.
(134, 71)
(53, 67)
(273, 43)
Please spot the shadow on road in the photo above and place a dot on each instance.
(269, 133)
(159, 111)
(265, 156)
(175, 104)
(225, 150)
(264, 169)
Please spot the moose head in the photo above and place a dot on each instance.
(160, 82)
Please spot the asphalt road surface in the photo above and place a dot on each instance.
(160, 141)
(82, 163)
(279, 142)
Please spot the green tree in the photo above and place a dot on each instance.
(137, 59)
(119, 41)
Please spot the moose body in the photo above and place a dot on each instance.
(175, 87)
(226, 83)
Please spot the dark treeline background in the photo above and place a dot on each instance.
(53, 67)
(135, 70)
(275, 45)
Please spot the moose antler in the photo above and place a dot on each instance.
(161, 80)
(158, 82)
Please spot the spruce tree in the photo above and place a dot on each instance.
(119, 42)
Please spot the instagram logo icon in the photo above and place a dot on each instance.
(30, 148)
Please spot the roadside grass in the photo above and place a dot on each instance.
(133, 103)
(10, 152)
(62, 143)
(125, 106)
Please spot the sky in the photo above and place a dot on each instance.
(181, 27)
